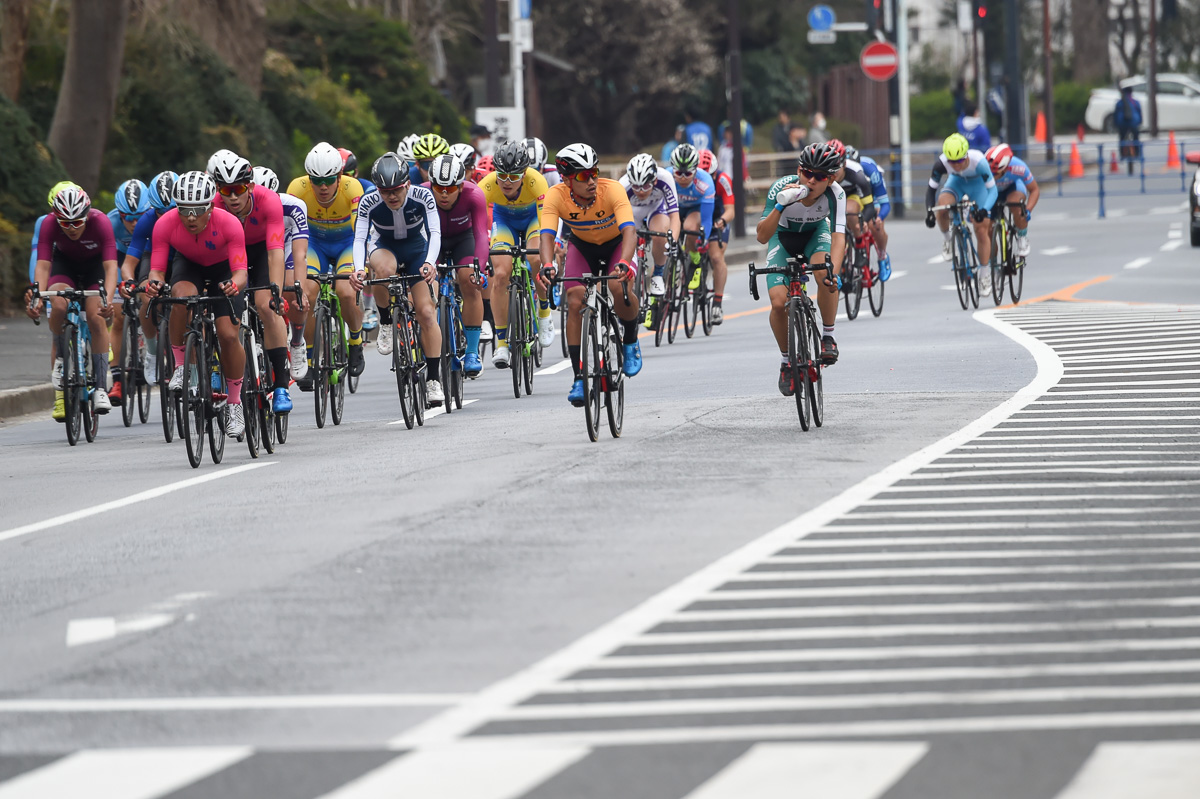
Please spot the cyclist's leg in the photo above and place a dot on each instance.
(351, 313)
(983, 230)
(879, 233)
(661, 223)
(229, 344)
(777, 286)
(853, 208)
(383, 264)
(462, 253)
(318, 263)
(425, 307)
(716, 256)
(575, 265)
(533, 234)
(275, 336)
(691, 221)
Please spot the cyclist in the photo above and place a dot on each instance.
(295, 251)
(697, 194)
(538, 156)
(651, 192)
(332, 206)
(397, 229)
(860, 201)
(405, 147)
(601, 239)
(424, 150)
(209, 248)
(76, 250)
(718, 235)
(483, 168)
(1014, 183)
(135, 269)
(350, 169)
(516, 192)
(969, 174)
(882, 202)
(261, 213)
(805, 214)
(132, 200)
(463, 215)
(466, 153)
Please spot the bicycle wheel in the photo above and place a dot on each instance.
(852, 280)
(129, 369)
(999, 262)
(686, 300)
(875, 292)
(1016, 277)
(614, 394)
(658, 318)
(592, 368)
(195, 392)
(975, 271)
(218, 416)
(799, 359)
(516, 336)
(281, 425)
(446, 359)
(320, 364)
(166, 367)
(401, 363)
(672, 307)
(815, 385)
(562, 323)
(706, 312)
(960, 270)
(143, 385)
(90, 418)
(68, 350)
(340, 348)
(458, 377)
(249, 398)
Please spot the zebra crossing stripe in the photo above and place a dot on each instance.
(1162, 770)
(122, 773)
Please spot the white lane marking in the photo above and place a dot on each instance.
(1024, 486)
(937, 259)
(1164, 210)
(237, 703)
(1060, 250)
(999, 554)
(438, 411)
(898, 273)
(1172, 245)
(883, 499)
(462, 770)
(1064, 470)
(91, 631)
(1137, 263)
(67, 518)
(1162, 769)
(932, 609)
(785, 771)
(1115, 213)
(554, 369)
(945, 590)
(949, 288)
(1174, 233)
(123, 773)
(458, 721)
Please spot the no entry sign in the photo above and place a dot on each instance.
(879, 60)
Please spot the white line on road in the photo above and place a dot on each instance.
(237, 703)
(946, 590)
(973, 554)
(91, 631)
(438, 411)
(124, 773)
(554, 369)
(1173, 244)
(1162, 769)
(1164, 210)
(930, 608)
(1174, 233)
(1137, 263)
(67, 518)
(1060, 250)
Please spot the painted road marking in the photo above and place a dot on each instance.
(554, 369)
(1164, 770)
(123, 773)
(1173, 244)
(438, 411)
(1137, 263)
(1060, 250)
(234, 703)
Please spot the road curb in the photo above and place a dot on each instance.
(27, 399)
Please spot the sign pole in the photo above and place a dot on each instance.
(735, 120)
(902, 75)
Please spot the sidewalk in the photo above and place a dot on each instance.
(24, 366)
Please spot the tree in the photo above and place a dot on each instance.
(1129, 33)
(13, 43)
(1090, 36)
(91, 78)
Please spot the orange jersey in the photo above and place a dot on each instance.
(600, 222)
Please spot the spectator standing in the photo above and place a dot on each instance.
(798, 137)
(698, 134)
(816, 132)
(781, 136)
(974, 128)
(1127, 119)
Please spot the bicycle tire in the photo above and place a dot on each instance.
(672, 312)
(166, 367)
(999, 260)
(128, 374)
(446, 323)
(877, 286)
(458, 376)
(590, 369)
(401, 355)
(562, 319)
(218, 423)
(615, 377)
(69, 352)
(320, 364)
(816, 373)
(195, 417)
(1016, 280)
(250, 413)
(686, 301)
(269, 423)
(959, 261)
(706, 312)
(420, 377)
(143, 385)
(535, 326)
(516, 339)
(976, 269)
(91, 419)
(341, 368)
(853, 281)
(798, 360)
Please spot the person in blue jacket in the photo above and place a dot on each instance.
(698, 133)
(971, 125)
(132, 201)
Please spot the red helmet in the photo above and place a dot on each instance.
(485, 165)
(998, 158)
(708, 161)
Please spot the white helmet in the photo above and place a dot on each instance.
(642, 170)
(229, 167)
(537, 152)
(194, 189)
(219, 154)
(575, 158)
(447, 170)
(71, 203)
(323, 161)
(405, 147)
(266, 177)
(465, 153)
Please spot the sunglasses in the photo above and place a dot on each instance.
(233, 189)
(686, 174)
(193, 211)
(586, 175)
(445, 189)
(808, 173)
(507, 178)
(72, 224)
(393, 191)
(130, 217)
(329, 181)
(647, 187)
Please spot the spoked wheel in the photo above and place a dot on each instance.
(250, 412)
(166, 400)
(281, 424)
(853, 284)
(71, 383)
(535, 325)
(960, 271)
(321, 365)
(91, 419)
(341, 369)
(614, 393)
(798, 358)
(562, 319)
(516, 336)
(999, 262)
(218, 423)
(592, 369)
(875, 292)
(815, 385)
(687, 308)
(1016, 279)
(446, 322)
(268, 422)
(196, 391)
(458, 377)
(706, 312)
(658, 317)
(401, 355)
(130, 367)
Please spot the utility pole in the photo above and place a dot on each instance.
(491, 55)
(1014, 102)
(735, 119)
(902, 79)
(1152, 71)
(1048, 68)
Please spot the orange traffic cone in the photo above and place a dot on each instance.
(1173, 152)
(1114, 166)
(1039, 130)
(1076, 170)
(1079, 130)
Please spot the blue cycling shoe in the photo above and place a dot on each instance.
(575, 397)
(885, 268)
(472, 366)
(633, 359)
(281, 401)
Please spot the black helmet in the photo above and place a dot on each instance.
(511, 158)
(390, 171)
(821, 157)
(351, 165)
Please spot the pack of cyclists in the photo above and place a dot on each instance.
(229, 228)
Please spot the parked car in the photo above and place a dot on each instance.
(1178, 103)
(1194, 210)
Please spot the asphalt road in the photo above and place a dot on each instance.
(978, 578)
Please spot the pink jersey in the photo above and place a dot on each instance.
(96, 242)
(469, 213)
(221, 240)
(265, 222)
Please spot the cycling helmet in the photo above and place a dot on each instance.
(707, 161)
(231, 168)
(642, 170)
(56, 188)
(465, 153)
(840, 148)
(219, 154)
(446, 170)
(998, 158)
(390, 171)
(405, 148)
(575, 158)
(851, 153)
(160, 190)
(511, 158)
(323, 161)
(485, 165)
(266, 178)
(956, 147)
(821, 157)
(685, 158)
(430, 146)
(71, 203)
(132, 198)
(194, 189)
(349, 161)
(537, 152)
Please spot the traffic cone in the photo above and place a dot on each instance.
(1076, 170)
(1172, 152)
(1114, 166)
(1039, 130)
(1079, 131)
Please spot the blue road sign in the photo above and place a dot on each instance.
(821, 18)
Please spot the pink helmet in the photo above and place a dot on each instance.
(708, 161)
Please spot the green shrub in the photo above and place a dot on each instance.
(850, 132)
(931, 115)
(1070, 101)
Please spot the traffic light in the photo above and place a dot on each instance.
(874, 14)
(981, 12)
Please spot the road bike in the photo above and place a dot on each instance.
(454, 334)
(665, 310)
(74, 347)
(1006, 266)
(264, 427)
(524, 349)
(804, 336)
(168, 401)
(133, 349)
(860, 271)
(330, 368)
(408, 356)
(964, 257)
(700, 299)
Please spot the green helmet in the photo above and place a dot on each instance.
(956, 147)
(56, 188)
(430, 146)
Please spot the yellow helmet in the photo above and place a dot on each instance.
(56, 188)
(956, 147)
(430, 146)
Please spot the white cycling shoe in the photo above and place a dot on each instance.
(176, 383)
(299, 355)
(1022, 247)
(434, 393)
(658, 286)
(546, 331)
(101, 401)
(500, 357)
(485, 331)
(235, 424)
(947, 254)
(384, 343)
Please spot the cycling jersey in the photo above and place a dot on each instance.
(878, 186)
(722, 201)
(333, 223)
(33, 248)
(264, 223)
(526, 207)
(974, 179)
(550, 173)
(367, 185)
(221, 240)
(806, 229)
(295, 222)
(856, 183)
(120, 234)
(411, 233)
(96, 242)
(467, 215)
(598, 223)
(661, 200)
(1018, 176)
(139, 242)
(699, 196)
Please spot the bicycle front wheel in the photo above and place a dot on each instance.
(320, 364)
(446, 323)
(71, 380)
(799, 359)
(217, 415)
(960, 269)
(249, 397)
(614, 395)
(130, 363)
(195, 391)
(516, 335)
(686, 307)
(591, 369)
(852, 279)
(815, 384)
(875, 288)
(340, 350)
(166, 366)
(403, 366)
(91, 419)
(999, 260)
(1016, 278)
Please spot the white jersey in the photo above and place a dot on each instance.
(295, 223)
(550, 173)
(662, 200)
